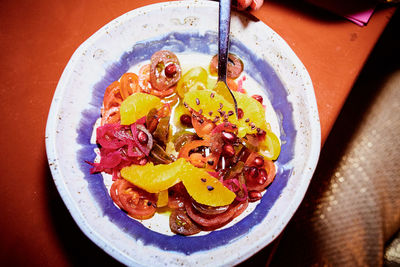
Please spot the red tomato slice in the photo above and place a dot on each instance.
(176, 196)
(114, 192)
(111, 103)
(160, 78)
(164, 93)
(129, 84)
(112, 115)
(266, 174)
(112, 96)
(202, 125)
(184, 152)
(145, 84)
(235, 66)
(138, 203)
(144, 78)
(211, 222)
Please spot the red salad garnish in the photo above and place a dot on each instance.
(118, 148)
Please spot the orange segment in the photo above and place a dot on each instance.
(204, 188)
(253, 111)
(201, 186)
(152, 178)
(210, 101)
(137, 106)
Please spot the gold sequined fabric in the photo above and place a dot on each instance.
(353, 204)
(392, 252)
(351, 210)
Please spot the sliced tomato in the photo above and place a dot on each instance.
(202, 125)
(114, 192)
(250, 159)
(146, 86)
(232, 84)
(165, 70)
(194, 78)
(235, 66)
(129, 84)
(144, 78)
(208, 210)
(164, 111)
(176, 196)
(163, 93)
(240, 207)
(211, 222)
(266, 173)
(184, 152)
(269, 166)
(111, 102)
(138, 203)
(112, 115)
(270, 146)
(195, 158)
(112, 96)
(171, 100)
(198, 160)
(180, 223)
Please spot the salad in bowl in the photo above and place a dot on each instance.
(175, 176)
(173, 145)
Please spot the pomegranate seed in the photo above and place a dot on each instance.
(254, 196)
(186, 120)
(261, 180)
(258, 161)
(253, 172)
(170, 70)
(228, 137)
(262, 176)
(142, 137)
(240, 113)
(228, 150)
(258, 98)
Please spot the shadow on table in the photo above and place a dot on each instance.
(79, 249)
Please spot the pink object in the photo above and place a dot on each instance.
(357, 11)
(362, 17)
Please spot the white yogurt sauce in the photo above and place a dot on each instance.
(160, 221)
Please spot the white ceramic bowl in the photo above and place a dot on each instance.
(181, 27)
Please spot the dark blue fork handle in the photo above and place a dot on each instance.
(223, 34)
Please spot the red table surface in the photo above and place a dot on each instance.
(37, 40)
